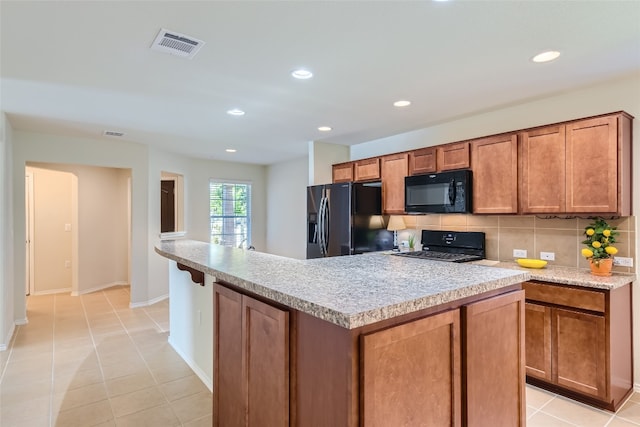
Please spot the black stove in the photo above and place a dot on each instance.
(452, 246)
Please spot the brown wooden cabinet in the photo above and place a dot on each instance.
(367, 170)
(577, 167)
(251, 361)
(488, 364)
(342, 172)
(579, 342)
(494, 162)
(422, 161)
(429, 349)
(439, 158)
(494, 361)
(394, 169)
(453, 156)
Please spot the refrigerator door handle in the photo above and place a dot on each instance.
(321, 227)
(327, 225)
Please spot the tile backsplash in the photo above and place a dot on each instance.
(534, 234)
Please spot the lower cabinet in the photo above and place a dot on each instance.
(251, 361)
(465, 365)
(420, 358)
(578, 342)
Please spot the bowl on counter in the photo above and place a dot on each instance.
(531, 263)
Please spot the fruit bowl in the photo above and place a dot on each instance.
(531, 263)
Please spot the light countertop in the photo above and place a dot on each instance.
(350, 291)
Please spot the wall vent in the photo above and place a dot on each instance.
(176, 44)
(113, 133)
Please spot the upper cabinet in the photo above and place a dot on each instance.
(453, 156)
(580, 167)
(440, 158)
(494, 163)
(394, 168)
(343, 172)
(367, 169)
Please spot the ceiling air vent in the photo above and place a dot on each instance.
(176, 44)
(113, 133)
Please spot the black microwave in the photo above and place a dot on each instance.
(444, 192)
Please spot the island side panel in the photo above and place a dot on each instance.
(326, 374)
(620, 344)
(494, 361)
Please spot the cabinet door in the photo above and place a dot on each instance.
(542, 156)
(579, 341)
(251, 362)
(495, 361)
(229, 392)
(592, 166)
(266, 363)
(394, 170)
(420, 358)
(422, 161)
(538, 341)
(494, 162)
(342, 172)
(453, 156)
(367, 170)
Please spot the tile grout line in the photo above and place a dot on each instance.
(95, 349)
(144, 360)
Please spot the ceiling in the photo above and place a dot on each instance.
(79, 68)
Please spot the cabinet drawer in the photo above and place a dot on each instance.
(584, 299)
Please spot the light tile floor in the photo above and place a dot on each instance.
(93, 361)
(546, 409)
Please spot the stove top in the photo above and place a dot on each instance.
(452, 246)
(440, 256)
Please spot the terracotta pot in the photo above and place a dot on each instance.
(603, 268)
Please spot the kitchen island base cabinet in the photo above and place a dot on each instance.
(418, 370)
(251, 346)
(420, 358)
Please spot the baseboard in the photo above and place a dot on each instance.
(148, 303)
(52, 291)
(199, 372)
(98, 288)
(5, 344)
(636, 387)
(20, 322)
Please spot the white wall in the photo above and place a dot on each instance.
(321, 157)
(286, 223)
(6, 234)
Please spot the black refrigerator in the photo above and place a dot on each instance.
(346, 219)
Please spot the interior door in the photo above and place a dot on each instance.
(167, 206)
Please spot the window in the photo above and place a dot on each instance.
(230, 213)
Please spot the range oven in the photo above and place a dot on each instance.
(452, 246)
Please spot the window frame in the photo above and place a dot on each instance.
(246, 242)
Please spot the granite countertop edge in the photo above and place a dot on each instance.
(237, 270)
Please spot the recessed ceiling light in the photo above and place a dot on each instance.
(302, 74)
(547, 56)
(235, 112)
(402, 103)
(325, 128)
(230, 150)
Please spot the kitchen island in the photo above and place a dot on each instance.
(373, 340)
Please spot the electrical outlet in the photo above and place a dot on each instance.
(623, 261)
(549, 256)
(519, 253)
(67, 264)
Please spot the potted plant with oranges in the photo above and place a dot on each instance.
(600, 238)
